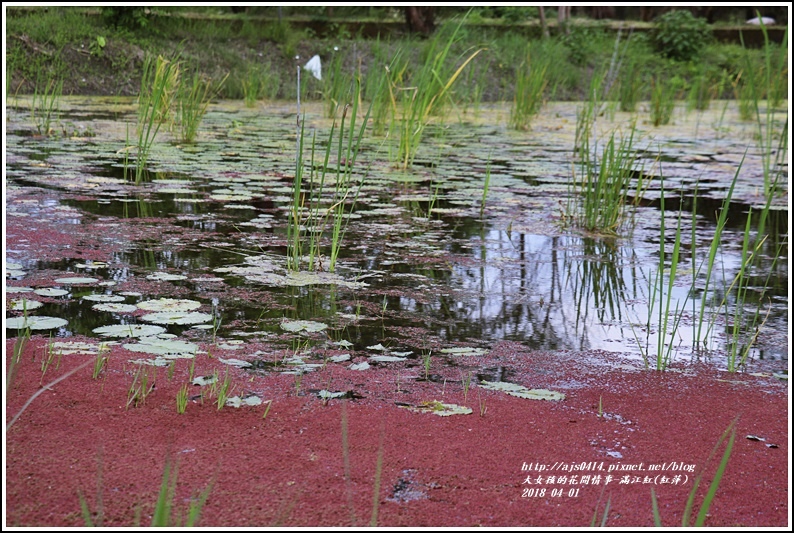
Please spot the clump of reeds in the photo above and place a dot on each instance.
(531, 82)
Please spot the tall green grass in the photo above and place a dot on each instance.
(309, 216)
(600, 191)
(44, 106)
(159, 83)
(425, 97)
(663, 95)
(193, 99)
(531, 82)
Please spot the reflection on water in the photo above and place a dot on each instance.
(447, 276)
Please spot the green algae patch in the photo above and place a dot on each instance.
(522, 392)
(35, 322)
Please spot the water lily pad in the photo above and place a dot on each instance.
(441, 409)
(341, 358)
(105, 298)
(328, 395)
(76, 281)
(165, 276)
(235, 362)
(167, 348)
(169, 304)
(520, 391)
(308, 326)
(115, 308)
(92, 265)
(360, 366)
(464, 351)
(35, 322)
(24, 305)
(177, 318)
(205, 380)
(236, 401)
(13, 290)
(81, 348)
(51, 292)
(386, 359)
(129, 330)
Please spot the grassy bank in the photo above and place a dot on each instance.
(95, 56)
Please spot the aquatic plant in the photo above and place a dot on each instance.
(23, 337)
(44, 105)
(426, 95)
(142, 385)
(629, 86)
(192, 102)
(310, 230)
(531, 82)
(663, 93)
(601, 189)
(159, 83)
(181, 399)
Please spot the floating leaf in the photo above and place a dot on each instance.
(128, 330)
(309, 326)
(165, 276)
(50, 292)
(464, 351)
(76, 281)
(106, 298)
(115, 308)
(522, 392)
(359, 366)
(169, 304)
(235, 362)
(35, 322)
(24, 305)
(236, 401)
(440, 409)
(177, 318)
(170, 349)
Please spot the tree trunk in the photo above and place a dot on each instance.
(543, 25)
(420, 19)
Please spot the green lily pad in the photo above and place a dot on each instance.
(50, 292)
(35, 322)
(24, 305)
(169, 304)
(167, 348)
(177, 318)
(115, 308)
(464, 351)
(105, 298)
(309, 326)
(236, 401)
(76, 281)
(522, 392)
(128, 330)
(441, 409)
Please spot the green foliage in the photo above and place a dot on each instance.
(531, 84)
(133, 18)
(679, 35)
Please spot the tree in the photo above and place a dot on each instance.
(420, 19)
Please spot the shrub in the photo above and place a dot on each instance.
(680, 35)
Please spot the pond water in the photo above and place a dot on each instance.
(423, 265)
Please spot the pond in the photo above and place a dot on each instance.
(471, 245)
